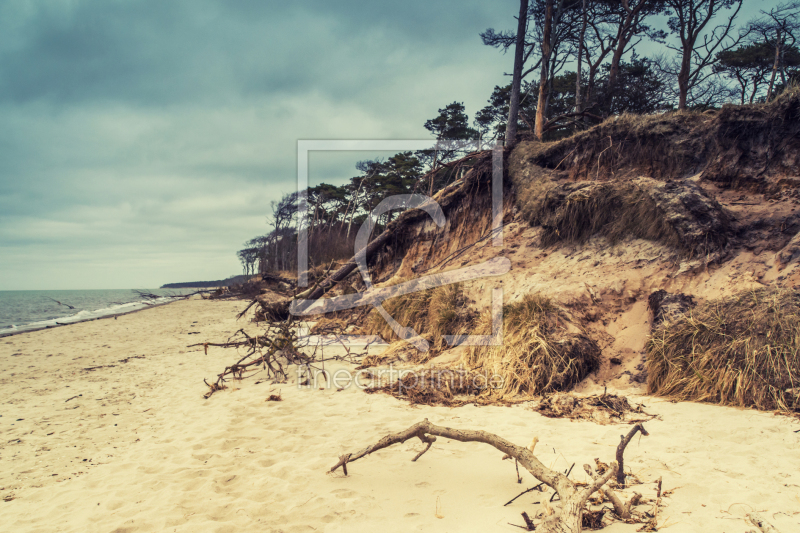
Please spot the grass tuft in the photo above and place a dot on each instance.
(542, 351)
(740, 351)
(431, 313)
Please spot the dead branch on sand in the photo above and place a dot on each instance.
(573, 496)
(270, 353)
(624, 440)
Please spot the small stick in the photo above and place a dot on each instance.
(758, 521)
(516, 463)
(624, 440)
(521, 493)
(68, 399)
(658, 491)
(428, 447)
(528, 522)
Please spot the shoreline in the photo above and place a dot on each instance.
(57, 325)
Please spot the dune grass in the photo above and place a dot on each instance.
(740, 351)
(431, 313)
(613, 210)
(542, 351)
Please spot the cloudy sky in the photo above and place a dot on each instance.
(141, 141)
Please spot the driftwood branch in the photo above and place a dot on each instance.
(573, 497)
(624, 440)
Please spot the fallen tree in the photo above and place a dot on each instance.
(572, 496)
(272, 352)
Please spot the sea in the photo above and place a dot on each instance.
(29, 310)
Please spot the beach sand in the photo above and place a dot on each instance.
(131, 445)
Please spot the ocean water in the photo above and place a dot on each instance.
(27, 310)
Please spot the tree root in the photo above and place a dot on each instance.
(573, 497)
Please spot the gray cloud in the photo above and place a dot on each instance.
(141, 142)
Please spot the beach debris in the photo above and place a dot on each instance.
(759, 521)
(528, 522)
(272, 352)
(573, 496)
(526, 491)
(601, 408)
(436, 386)
(274, 398)
(593, 519)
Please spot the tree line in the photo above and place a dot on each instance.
(575, 64)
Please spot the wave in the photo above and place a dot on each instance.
(85, 314)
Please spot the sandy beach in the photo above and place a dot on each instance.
(104, 428)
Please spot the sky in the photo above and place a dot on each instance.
(142, 141)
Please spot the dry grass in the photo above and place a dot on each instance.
(541, 352)
(740, 351)
(737, 146)
(431, 313)
(678, 214)
(575, 212)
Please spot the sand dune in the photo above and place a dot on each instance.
(133, 446)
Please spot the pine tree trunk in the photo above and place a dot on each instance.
(774, 65)
(578, 80)
(513, 107)
(540, 117)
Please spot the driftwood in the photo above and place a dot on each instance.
(624, 440)
(573, 497)
(270, 353)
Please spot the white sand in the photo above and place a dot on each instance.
(161, 458)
